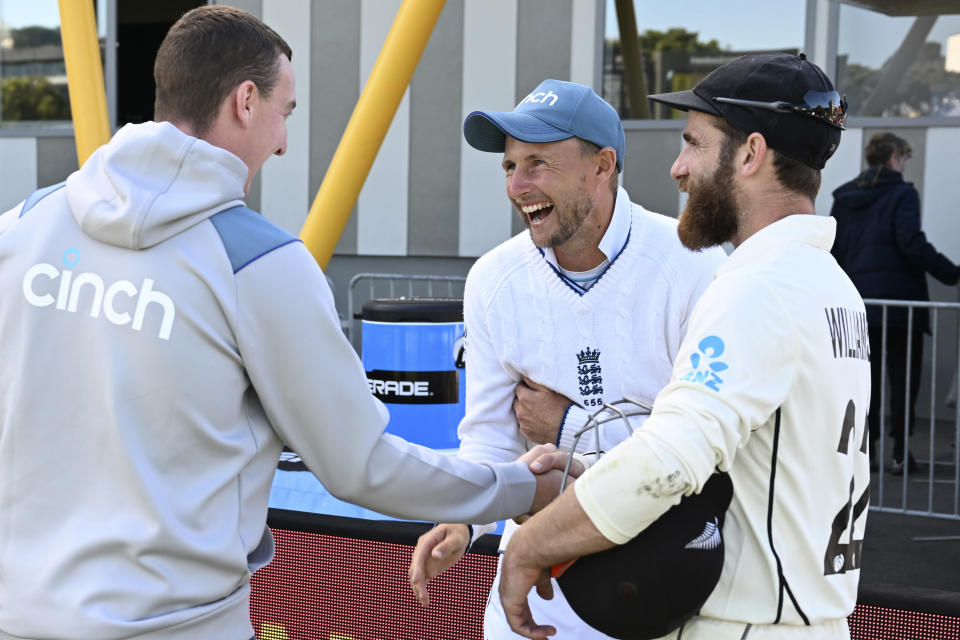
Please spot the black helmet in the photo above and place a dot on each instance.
(654, 583)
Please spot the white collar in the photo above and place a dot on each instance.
(817, 231)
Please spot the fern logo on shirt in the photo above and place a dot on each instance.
(706, 363)
(590, 377)
(121, 303)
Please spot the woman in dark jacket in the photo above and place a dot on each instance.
(881, 247)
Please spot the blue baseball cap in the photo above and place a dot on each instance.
(555, 110)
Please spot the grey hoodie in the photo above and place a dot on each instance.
(158, 344)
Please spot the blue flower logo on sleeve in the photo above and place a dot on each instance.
(706, 363)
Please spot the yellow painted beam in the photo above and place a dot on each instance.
(368, 126)
(81, 53)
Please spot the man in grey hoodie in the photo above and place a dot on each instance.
(160, 342)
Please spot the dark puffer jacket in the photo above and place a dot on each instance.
(881, 247)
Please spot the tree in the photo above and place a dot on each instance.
(676, 39)
(33, 98)
(35, 36)
(927, 88)
(653, 43)
(673, 39)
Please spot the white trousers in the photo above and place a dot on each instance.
(699, 628)
(555, 612)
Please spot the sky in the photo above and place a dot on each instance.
(24, 13)
(737, 24)
(868, 37)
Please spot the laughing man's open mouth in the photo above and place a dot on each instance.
(537, 212)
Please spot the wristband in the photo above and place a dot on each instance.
(562, 420)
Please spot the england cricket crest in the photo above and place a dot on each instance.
(590, 376)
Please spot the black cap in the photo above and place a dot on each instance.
(770, 78)
(654, 583)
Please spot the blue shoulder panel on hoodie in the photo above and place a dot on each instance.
(37, 195)
(247, 235)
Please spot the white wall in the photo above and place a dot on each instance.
(383, 203)
(842, 167)
(940, 200)
(489, 63)
(284, 180)
(19, 170)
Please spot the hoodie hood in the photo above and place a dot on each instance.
(871, 185)
(151, 182)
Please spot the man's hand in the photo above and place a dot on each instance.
(437, 550)
(516, 580)
(539, 411)
(558, 460)
(547, 465)
(548, 459)
(556, 535)
(440, 548)
(535, 453)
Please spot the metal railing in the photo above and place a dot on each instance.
(934, 488)
(394, 285)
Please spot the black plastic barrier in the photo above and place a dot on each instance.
(338, 578)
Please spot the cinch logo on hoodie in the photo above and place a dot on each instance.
(115, 301)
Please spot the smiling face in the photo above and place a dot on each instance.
(548, 186)
(268, 126)
(705, 170)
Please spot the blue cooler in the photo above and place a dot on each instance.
(412, 351)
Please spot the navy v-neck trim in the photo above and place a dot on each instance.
(580, 291)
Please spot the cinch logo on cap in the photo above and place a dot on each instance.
(38, 290)
(541, 97)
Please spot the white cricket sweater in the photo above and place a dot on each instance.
(618, 339)
(523, 319)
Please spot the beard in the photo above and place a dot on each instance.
(570, 216)
(710, 217)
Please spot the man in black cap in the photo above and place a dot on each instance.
(771, 384)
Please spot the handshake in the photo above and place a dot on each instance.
(551, 466)
(444, 545)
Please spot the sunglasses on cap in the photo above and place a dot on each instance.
(828, 106)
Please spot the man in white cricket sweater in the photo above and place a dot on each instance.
(589, 306)
(771, 383)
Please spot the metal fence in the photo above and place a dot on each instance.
(934, 488)
(369, 286)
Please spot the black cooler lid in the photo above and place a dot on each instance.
(413, 310)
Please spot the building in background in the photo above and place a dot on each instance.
(431, 203)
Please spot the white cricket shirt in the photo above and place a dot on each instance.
(772, 382)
